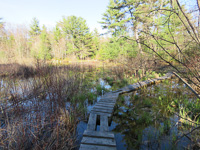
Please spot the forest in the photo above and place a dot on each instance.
(49, 78)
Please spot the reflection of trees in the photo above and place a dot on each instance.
(131, 126)
(149, 120)
(135, 117)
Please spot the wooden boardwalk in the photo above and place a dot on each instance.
(104, 139)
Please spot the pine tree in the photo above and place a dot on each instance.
(57, 33)
(79, 38)
(45, 45)
(111, 19)
(34, 28)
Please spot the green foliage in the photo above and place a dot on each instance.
(40, 43)
(45, 46)
(109, 51)
(2, 54)
(77, 32)
(110, 80)
(57, 34)
(43, 51)
(116, 48)
(91, 97)
(101, 89)
(145, 118)
(111, 19)
(34, 28)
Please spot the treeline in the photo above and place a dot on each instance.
(153, 28)
(71, 38)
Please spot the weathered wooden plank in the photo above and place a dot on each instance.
(96, 147)
(102, 113)
(103, 107)
(108, 101)
(92, 122)
(99, 134)
(103, 123)
(102, 110)
(105, 104)
(98, 141)
(109, 98)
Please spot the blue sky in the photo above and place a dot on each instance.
(48, 12)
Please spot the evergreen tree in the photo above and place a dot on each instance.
(95, 41)
(57, 33)
(34, 28)
(77, 33)
(111, 19)
(41, 48)
(45, 45)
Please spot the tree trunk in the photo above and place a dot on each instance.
(137, 38)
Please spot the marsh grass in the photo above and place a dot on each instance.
(42, 112)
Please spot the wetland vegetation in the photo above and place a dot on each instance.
(50, 79)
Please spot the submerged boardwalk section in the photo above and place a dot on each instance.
(104, 139)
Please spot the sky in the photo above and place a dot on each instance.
(49, 12)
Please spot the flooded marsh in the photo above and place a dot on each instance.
(51, 110)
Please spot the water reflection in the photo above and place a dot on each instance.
(146, 121)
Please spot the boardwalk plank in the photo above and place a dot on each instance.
(103, 107)
(98, 141)
(99, 134)
(108, 100)
(102, 110)
(102, 113)
(92, 122)
(103, 123)
(105, 104)
(96, 147)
